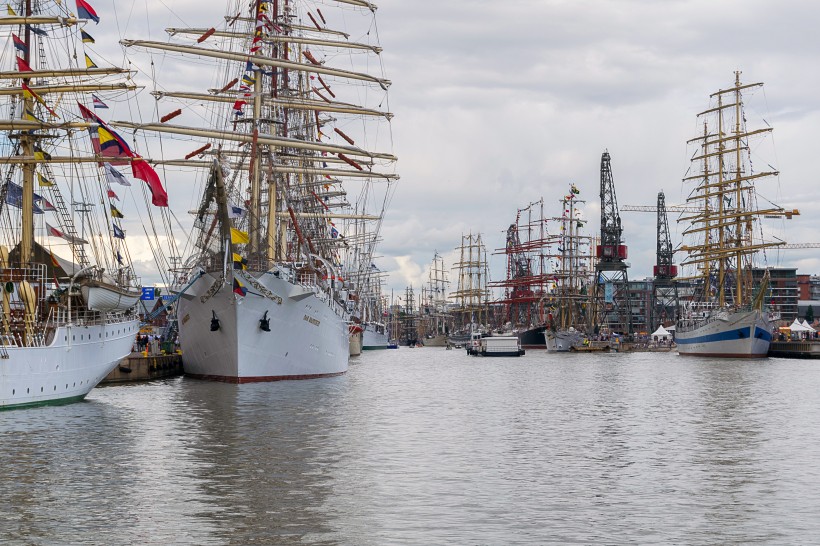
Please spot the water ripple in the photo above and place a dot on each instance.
(426, 446)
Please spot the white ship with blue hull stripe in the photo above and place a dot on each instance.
(742, 334)
(725, 315)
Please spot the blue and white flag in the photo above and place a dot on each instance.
(114, 176)
(235, 211)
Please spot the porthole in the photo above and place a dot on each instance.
(27, 391)
(41, 389)
(12, 392)
(55, 387)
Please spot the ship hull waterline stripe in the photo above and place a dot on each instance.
(737, 333)
(261, 379)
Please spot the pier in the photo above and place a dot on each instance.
(142, 367)
(795, 349)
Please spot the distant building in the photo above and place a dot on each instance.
(640, 296)
(803, 308)
(804, 287)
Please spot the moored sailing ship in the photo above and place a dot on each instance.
(433, 310)
(264, 295)
(726, 317)
(527, 276)
(567, 306)
(471, 309)
(66, 322)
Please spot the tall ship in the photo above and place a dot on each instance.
(373, 312)
(69, 292)
(725, 316)
(471, 309)
(433, 308)
(286, 141)
(569, 303)
(527, 276)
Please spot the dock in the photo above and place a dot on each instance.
(795, 349)
(139, 367)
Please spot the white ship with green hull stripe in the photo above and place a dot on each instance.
(67, 288)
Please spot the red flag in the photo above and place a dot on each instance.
(112, 195)
(22, 65)
(139, 167)
(142, 170)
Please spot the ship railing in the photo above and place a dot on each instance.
(7, 340)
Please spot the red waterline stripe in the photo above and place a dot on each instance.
(260, 378)
(724, 355)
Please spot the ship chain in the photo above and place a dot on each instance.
(262, 290)
(212, 290)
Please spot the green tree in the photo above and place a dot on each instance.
(810, 314)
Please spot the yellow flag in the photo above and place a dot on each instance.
(9, 10)
(239, 237)
(31, 116)
(45, 182)
(88, 62)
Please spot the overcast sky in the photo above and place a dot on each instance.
(500, 103)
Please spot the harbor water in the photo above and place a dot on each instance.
(430, 446)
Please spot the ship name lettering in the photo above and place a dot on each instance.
(312, 320)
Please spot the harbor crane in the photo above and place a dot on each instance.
(612, 304)
(664, 306)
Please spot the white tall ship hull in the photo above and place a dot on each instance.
(75, 360)
(562, 340)
(741, 334)
(373, 340)
(308, 335)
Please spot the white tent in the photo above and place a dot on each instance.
(808, 326)
(661, 334)
(797, 327)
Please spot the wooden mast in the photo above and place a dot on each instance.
(26, 142)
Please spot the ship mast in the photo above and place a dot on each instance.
(27, 145)
(279, 147)
(727, 201)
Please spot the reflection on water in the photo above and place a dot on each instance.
(422, 446)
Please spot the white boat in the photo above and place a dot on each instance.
(498, 346)
(374, 337)
(67, 309)
(561, 341)
(725, 333)
(64, 366)
(281, 252)
(278, 330)
(107, 296)
(725, 316)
